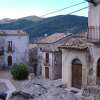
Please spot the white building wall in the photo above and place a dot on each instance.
(94, 22)
(20, 45)
(94, 15)
(2, 40)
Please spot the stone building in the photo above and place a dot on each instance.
(33, 58)
(13, 47)
(81, 56)
(49, 55)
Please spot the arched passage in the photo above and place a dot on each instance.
(76, 73)
(98, 72)
(9, 60)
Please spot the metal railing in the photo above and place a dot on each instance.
(94, 33)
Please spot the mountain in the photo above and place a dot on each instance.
(32, 18)
(6, 20)
(37, 28)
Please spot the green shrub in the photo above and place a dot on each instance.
(19, 72)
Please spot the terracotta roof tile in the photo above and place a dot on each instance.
(50, 48)
(53, 38)
(76, 43)
(12, 32)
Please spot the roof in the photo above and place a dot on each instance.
(31, 46)
(68, 41)
(50, 48)
(12, 32)
(52, 38)
(76, 43)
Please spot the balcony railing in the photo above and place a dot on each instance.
(94, 33)
(10, 49)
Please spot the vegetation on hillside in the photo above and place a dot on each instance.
(37, 27)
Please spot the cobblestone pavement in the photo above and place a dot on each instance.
(5, 74)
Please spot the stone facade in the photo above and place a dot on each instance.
(50, 57)
(33, 58)
(86, 50)
(67, 57)
(54, 66)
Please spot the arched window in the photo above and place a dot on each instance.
(76, 61)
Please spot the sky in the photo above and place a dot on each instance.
(20, 8)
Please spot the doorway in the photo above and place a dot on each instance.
(9, 60)
(76, 73)
(47, 72)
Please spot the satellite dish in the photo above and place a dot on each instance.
(45, 35)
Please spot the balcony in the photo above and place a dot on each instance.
(10, 50)
(94, 34)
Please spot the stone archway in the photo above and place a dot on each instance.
(76, 73)
(98, 72)
(9, 60)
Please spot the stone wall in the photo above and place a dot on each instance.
(57, 67)
(67, 57)
(91, 93)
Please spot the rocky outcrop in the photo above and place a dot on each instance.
(39, 89)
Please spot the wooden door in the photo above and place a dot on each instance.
(98, 72)
(9, 60)
(47, 72)
(76, 75)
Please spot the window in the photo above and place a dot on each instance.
(47, 57)
(10, 43)
(10, 46)
(1, 51)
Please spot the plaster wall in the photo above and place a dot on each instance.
(67, 57)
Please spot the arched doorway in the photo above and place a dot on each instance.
(98, 72)
(9, 60)
(76, 73)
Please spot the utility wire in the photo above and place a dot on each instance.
(77, 10)
(69, 13)
(45, 21)
(63, 9)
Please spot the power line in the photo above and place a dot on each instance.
(70, 13)
(63, 9)
(77, 10)
(66, 14)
